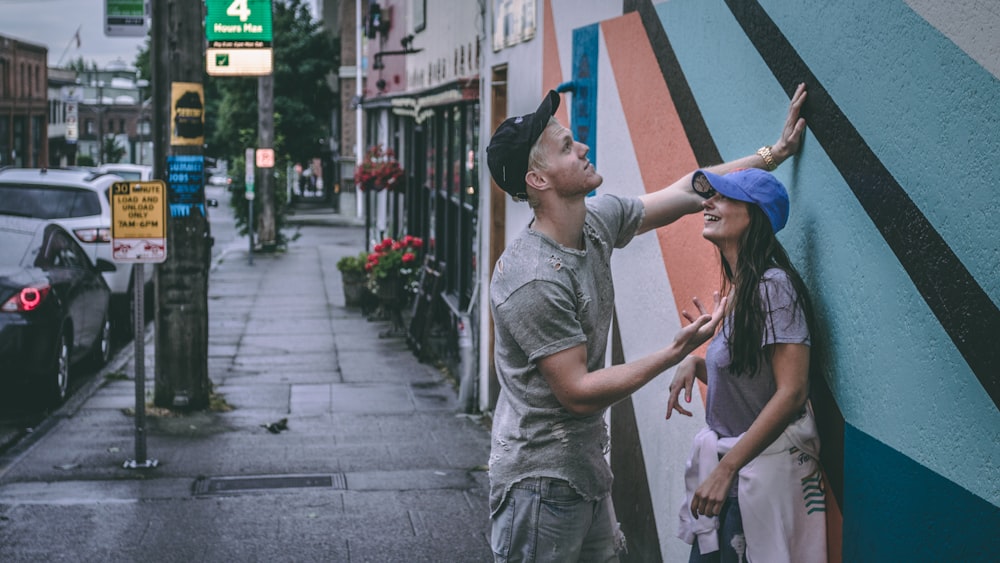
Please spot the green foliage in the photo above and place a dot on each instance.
(353, 264)
(240, 205)
(395, 262)
(81, 66)
(304, 56)
(113, 152)
(85, 160)
(142, 61)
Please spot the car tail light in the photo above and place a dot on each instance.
(93, 235)
(28, 299)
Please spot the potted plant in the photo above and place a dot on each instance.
(392, 268)
(379, 170)
(354, 277)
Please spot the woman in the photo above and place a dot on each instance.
(754, 485)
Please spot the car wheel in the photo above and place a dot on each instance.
(56, 381)
(101, 352)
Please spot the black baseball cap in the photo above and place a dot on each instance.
(507, 154)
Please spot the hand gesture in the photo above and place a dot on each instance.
(791, 135)
(683, 379)
(701, 328)
(712, 493)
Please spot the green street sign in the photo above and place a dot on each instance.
(239, 38)
(235, 22)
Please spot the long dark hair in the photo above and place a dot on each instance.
(759, 250)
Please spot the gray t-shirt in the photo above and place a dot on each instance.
(546, 298)
(733, 402)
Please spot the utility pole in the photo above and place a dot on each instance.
(178, 57)
(266, 234)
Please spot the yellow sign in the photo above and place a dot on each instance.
(187, 114)
(139, 221)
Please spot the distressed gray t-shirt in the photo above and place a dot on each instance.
(546, 298)
(733, 403)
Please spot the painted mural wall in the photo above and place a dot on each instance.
(894, 225)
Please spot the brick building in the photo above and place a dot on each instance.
(23, 103)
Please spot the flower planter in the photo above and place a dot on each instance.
(354, 288)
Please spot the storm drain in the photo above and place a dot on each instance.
(216, 485)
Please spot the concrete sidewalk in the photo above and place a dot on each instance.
(375, 464)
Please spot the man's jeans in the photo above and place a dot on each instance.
(544, 519)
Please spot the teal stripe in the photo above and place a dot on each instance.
(896, 510)
(929, 111)
(852, 273)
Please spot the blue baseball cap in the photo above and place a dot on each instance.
(751, 185)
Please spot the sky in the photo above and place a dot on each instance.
(53, 23)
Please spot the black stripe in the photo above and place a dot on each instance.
(630, 489)
(963, 308)
(698, 136)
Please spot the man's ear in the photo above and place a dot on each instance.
(536, 180)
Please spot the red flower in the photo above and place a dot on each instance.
(409, 257)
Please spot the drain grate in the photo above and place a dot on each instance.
(213, 485)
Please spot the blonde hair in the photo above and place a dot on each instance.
(536, 157)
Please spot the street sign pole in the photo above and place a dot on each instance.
(139, 339)
(249, 155)
(139, 235)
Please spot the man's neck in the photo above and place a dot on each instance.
(562, 221)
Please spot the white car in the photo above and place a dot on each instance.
(131, 172)
(78, 201)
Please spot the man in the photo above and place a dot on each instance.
(552, 298)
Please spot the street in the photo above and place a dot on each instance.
(19, 418)
(327, 441)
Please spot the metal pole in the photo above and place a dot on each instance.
(139, 340)
(359, 91)
(100, 121)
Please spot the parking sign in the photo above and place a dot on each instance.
(139, 221)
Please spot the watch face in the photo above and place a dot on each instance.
(702, 186)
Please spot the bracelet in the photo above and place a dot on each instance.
(769, 163)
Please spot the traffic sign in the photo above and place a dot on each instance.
(124, 18)
(139, 221)
(239, 34)
(265, 158)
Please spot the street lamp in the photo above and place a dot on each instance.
(100, 121)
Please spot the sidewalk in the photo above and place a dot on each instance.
(375, 464)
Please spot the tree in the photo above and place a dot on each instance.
(81, 66)
(304, 56)
(113, 151)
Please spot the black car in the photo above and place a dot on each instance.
(53, 307)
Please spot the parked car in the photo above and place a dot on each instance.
(79, 201)
(54, 307)
(131, 172)
(220, 179)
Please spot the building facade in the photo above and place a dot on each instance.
(110, 108)
(23, 103)
(893, 196)
(421, 101)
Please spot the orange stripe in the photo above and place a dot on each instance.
(552, 74)
(663, 153)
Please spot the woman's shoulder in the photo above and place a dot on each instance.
(776, 276)
(777, 281)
